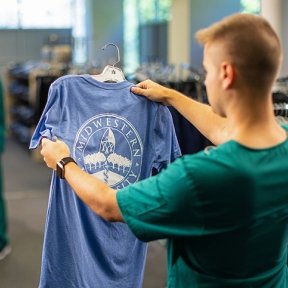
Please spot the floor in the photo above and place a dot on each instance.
(26, 193)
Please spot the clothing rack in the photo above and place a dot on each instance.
(280, 98)
(26, 91)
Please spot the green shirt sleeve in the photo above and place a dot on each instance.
(285, 126)
(162, 206)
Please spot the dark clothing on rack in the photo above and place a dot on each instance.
(189, 138)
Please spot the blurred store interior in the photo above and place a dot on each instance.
(41, 41)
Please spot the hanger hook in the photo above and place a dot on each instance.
(118, 53)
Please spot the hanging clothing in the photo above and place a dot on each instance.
(190, 139)
(118, 137)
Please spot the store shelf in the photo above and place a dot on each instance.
(26, 90)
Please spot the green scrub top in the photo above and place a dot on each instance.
(224, 212)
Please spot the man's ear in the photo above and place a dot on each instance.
(227, 74)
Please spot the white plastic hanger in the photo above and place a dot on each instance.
(111, 73)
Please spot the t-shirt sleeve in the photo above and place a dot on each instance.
(49, 120)
(152, 207)
(166, 145)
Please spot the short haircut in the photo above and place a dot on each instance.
(250, 43)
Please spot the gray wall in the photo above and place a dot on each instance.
(282, 6)
(204, 13)
(284, 37)
(18, 45)
(104, 25)
(153, 43)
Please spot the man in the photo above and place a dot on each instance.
(224, 210)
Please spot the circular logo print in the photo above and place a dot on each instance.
(109, 147)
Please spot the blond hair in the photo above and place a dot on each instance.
(251, 45)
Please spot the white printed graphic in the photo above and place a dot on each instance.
(109, 147)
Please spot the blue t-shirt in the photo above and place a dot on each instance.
(120, 138)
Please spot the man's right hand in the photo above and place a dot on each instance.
(153, 91)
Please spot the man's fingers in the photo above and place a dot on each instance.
(44, 140)
(139, 91)
(143, 88)
(143, 84)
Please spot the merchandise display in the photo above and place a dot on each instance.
(27, 90)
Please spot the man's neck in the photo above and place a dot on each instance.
(254, 124)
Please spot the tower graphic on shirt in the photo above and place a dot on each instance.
(109, 147)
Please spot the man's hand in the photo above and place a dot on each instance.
(153, 91)
(53, 151)
(94, 192)
(211, 125)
